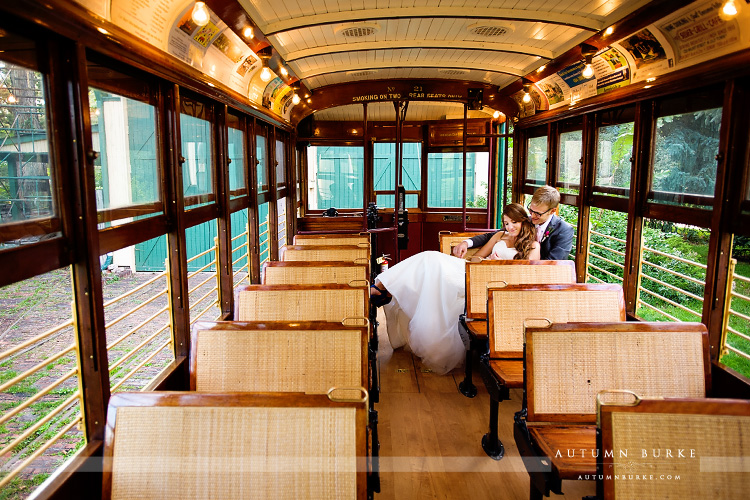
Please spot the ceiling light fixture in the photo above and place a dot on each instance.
(496, 115)
(265, 72)
(609, 31)
(526, 91)
(729, 10)
(248, 32)
(588, 52)
(541, 68)
(200, 14)
(295, 94)
(284, 71)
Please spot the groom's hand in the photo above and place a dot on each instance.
(461, 249)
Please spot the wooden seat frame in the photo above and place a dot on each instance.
(578, 431)
(476, 313)
(328, 265)
(502, 371)
(228, 401)
(704, 408)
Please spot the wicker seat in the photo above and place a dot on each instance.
(332, 239)
(233, 356)
(181, 445)
(509, 308)
(568, 364)
(327, 253)
(313, 273)
(333, 303)
(448, 240)
(715, 437)
(511, 272)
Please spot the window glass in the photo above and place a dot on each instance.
(134, 285)
(241, 245)
(236, 152)
(261, 158)
(384, 165)
(735, 351)
(536, 161)
(126, 171)
(195, 130)
(203, 281)
(569, 161)
(673, 271)
(445, 179)
(281, 222)
(568, 213)
(614, 151)
(686, 142)
(608, 231)
(26, 180)
(335, 177)
(264, 233)
(280, 163)
(39, 371)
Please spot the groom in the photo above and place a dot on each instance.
(554, 234)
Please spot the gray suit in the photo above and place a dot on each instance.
(556, 241)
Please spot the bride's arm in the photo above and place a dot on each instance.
(535, 253)
(486, 250)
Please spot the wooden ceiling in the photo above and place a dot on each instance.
(491, 42)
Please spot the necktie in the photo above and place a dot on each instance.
(539, 234)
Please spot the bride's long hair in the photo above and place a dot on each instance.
(527, 235)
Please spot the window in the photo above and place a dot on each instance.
(261, 157)
(27, 184)
(384, 172)
(264, 233)
(614, 151)
(335, 177)
(536, 160)
(570, 156)
(280, 162)
(445, 180)
(607, 234)
(686, 142)
(236, 155)
(197, 168)
(203, 280)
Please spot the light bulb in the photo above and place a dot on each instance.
(526, 97)
(729, 10)
(265, 74)
(496, 115)
(588, 71)
(284, 72)
(248, 32)
(200, 14)
(295, 99)
(609, 30)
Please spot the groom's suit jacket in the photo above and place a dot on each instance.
(556, 243)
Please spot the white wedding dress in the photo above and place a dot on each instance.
(429, 292)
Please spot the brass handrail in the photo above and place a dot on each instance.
(191, 259)
(685, 261)
(140, 365)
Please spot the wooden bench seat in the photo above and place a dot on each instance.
(183, 445)
(511, 272)
(332, 239)
(508, 310)
(568, 364)
(309, 357)
(314, 273)
(715, 437)
(358, 254)
(448, 240)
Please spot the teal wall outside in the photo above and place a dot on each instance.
(150, 255)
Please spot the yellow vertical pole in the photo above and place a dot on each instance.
(727, 307)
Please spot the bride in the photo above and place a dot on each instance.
(428, 291)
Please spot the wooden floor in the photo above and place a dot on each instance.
(430, 437)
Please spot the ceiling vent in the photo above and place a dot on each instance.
(453, 71)
(490, 29)
(361, 72)
(358, 30)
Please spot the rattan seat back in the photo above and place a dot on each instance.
(234, 356)
(510, 307)
(568, 364)
(190, 446)
(333, 303)
(708, 441)
(313, 273)
(448, 240)
(326, 253)
(332, 239)
(511, 272)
